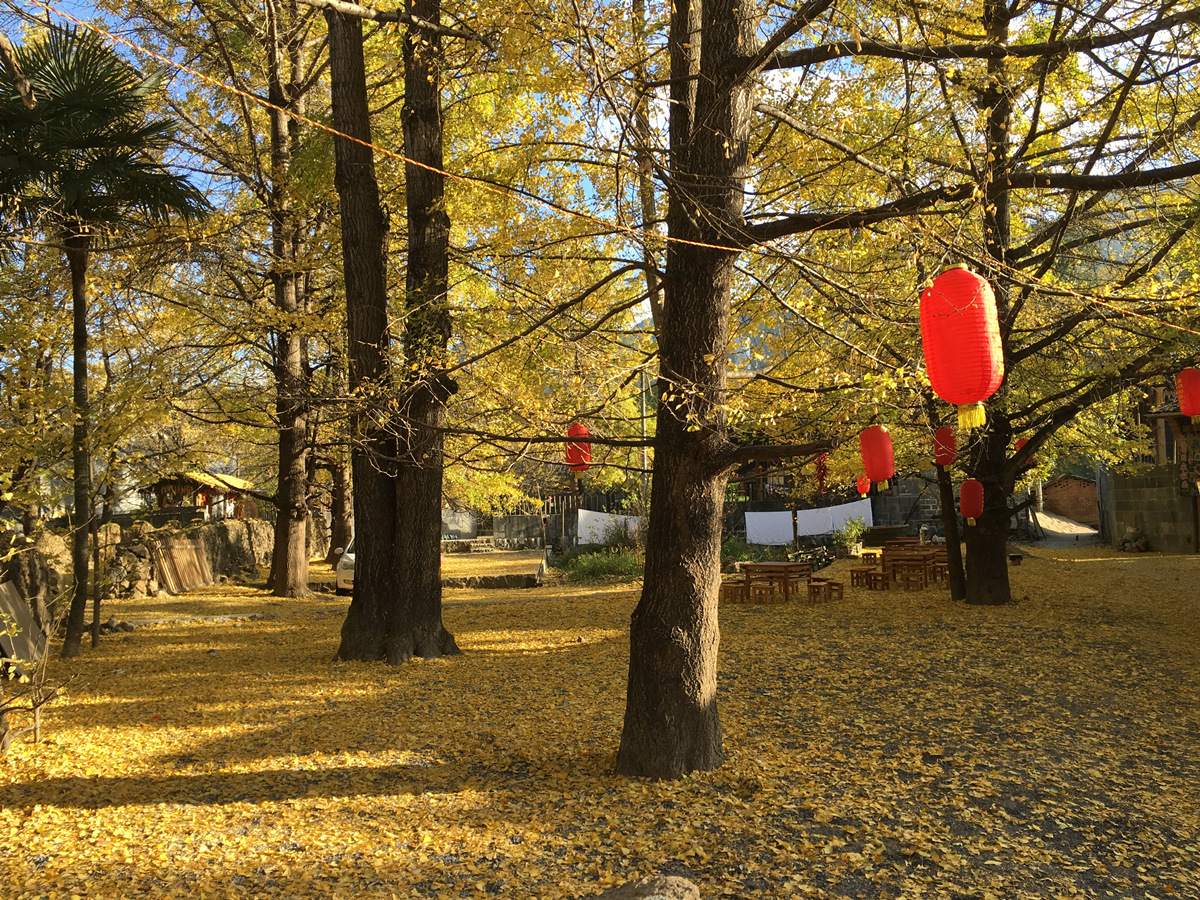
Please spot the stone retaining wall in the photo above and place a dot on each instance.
(1153, 503)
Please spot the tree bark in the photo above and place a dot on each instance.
(954, 555)
(672, 725)
(341, 511)
(289, 560)
(77, 242)
(987, 540)
(418, 630)
(364, 242)
(987, 550)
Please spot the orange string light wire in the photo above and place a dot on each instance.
(482, 185)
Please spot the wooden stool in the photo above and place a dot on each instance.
(941, 572)
(869, 556)
(836, 588)
(858, 575)
(733, 592)
(764, 592)
(912, 579)
(818, 591)
(877, 580)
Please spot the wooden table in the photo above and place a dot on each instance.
(776, 574)
(896, 558)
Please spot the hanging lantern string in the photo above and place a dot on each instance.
(507, 193)
(1068, 293)
(477, 183)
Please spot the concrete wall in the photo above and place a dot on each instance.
(460, 523)
(527, 530)
(1074, 498)
(1153, 503)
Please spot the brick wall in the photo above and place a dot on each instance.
(1074, 498)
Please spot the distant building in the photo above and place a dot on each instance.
(213, 496)
(1072, 497)
(1161, 503)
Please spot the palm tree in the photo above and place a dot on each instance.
(82, 162)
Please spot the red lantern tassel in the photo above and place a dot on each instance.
(883, 485)
(970, 521)
(971, 415)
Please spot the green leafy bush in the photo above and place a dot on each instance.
(602, 565)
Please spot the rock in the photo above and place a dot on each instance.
(657, 887)
(214, 652)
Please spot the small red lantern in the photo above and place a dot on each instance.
(1021, 442)
(945, 446)
(970, 500)
(1187, 389)
(878, 460)
(579, 452)
(961, 336)
(863, 484)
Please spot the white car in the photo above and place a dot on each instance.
(343, 581)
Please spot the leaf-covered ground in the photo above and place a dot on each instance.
(894, 744)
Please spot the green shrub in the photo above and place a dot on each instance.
(620, 564)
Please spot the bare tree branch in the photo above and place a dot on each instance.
(395, 15)
(933, 53)
(9, 56)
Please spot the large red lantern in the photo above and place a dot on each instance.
(945, 446)
(961, 337)
(1187, 388)
(878, 460)
(579, 452)
(863, 484)
(970, 500)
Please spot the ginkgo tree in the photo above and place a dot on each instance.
(949, 167)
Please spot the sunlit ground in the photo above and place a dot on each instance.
(893, 744)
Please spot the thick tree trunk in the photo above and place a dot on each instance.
(987, 540)
(672, 725)
(987, 550)
(954, 556)
(77, 246)
(364, 241)
(418, 628)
